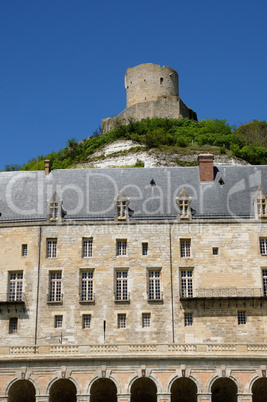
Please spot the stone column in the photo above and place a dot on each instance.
(203, 397)
(123, 397)
(246, 397)
(3, 398)
(164, 397)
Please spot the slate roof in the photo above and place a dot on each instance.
(90, 193)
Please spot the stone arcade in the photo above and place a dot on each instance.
(134, 284)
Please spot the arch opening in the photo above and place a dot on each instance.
(62, 391)
(143, 389)
(22, 391)
(224, 389)
(183, 390)
(103, 390)
(259, 390)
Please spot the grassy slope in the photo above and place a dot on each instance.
(182, 137)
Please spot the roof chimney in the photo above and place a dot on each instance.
(205, 163)
(47, 166)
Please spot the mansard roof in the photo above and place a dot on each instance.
(90, 193)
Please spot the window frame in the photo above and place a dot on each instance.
(87, 252)
(186, 282)
(15, 286)
(144, 249)
(88, 296)
(24, 250)
(84, 326)
(121, 321)
(121, 249)
(58, 319)
(13, 330)
(121, 285)
(188, 319)
(263, 246)
(146, 320)
(215, 251)
(241, 317)
(185, 248)
(154, 285)
(51, 247)
(55, 294)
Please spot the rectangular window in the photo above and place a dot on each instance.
(87, 286)
(121, 320)
(121, 247)
(146, 320)
(241, 317)
(183, 208)
(185, 246)
(154, 285)
(215, 251)
(15, 286)
(121, 209)
(263, 246)
(13, 325)
(121, 285)
(55, 294)
(264, 280)
(58, 321)
(51, 248)
(261, 207)
(188, 319)
(53, 210)
(186, 283)
(87, 248)
(86, 321)
(24, 250)
(144, 248)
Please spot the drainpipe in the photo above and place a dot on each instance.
(172, 306)
(38, 285)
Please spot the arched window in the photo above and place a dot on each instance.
(224, 389)
(103, 390)
(259, 390)
(184, 390)
(143, 389)
(21, 391)
(62, 391)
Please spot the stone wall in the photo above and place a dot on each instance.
(237, 265)
(152, 91)
(148, 82)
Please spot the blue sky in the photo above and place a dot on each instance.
(63, 63)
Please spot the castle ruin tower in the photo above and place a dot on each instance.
(148, 82)
(152, 91)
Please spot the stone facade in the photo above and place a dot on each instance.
(137, 309)
(152, 91)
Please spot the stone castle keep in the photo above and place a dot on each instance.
(152, 91)
(134, 285)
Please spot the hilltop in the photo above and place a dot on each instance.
(161, 142)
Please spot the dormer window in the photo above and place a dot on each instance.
(122, 210)
(183, 203)
(54, 206)
(260, 204)
(53, 211)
